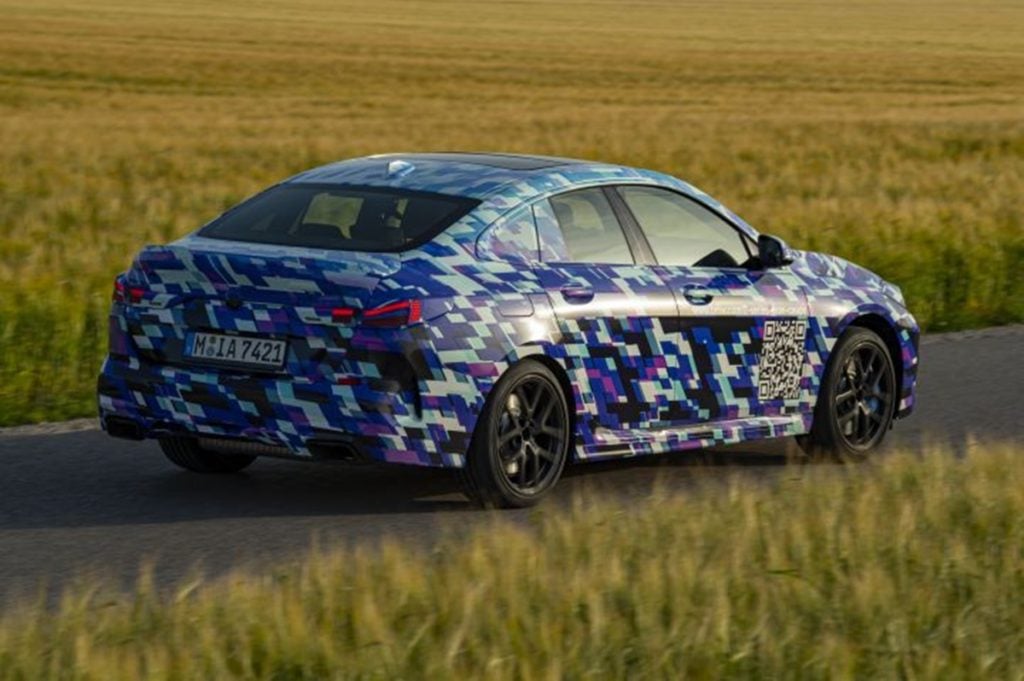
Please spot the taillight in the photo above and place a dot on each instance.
(392, 315)
(395, 314)
(343, 315)
(126, 294)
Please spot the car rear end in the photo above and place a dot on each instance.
(279, 329)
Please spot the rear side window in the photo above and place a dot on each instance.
(590, 230)
(511, 239)
(340, 218)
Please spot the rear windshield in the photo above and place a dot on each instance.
(343, 218)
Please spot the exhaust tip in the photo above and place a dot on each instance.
(122, 428)
(335, 449)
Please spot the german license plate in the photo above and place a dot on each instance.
(238, 350)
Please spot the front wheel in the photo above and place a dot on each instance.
(856, 402)
(521, 441)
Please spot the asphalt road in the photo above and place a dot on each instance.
(79, 503)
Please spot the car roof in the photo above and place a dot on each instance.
(500, 182)
(492, 158)
(471, 174)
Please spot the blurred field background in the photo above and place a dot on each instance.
(909, 569)
(890, 132)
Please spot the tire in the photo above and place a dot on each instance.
(521, 441)
(186, 453)
(856, 402)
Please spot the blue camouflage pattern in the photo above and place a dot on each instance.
(645, 372)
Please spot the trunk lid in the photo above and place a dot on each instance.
(253, 290)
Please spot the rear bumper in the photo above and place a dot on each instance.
(303, 417)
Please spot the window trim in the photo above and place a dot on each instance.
(638, 250)
(634, 235)
(465, 205)
(745, 239)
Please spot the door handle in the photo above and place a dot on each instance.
(696, 295)
(577, 294)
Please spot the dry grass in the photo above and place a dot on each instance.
(889, 132)
(909, 569)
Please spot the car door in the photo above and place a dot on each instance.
(742, 330)
(609, 307)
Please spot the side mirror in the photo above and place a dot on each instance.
(773, 251)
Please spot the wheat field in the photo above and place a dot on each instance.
(907, 569)
(890, 132)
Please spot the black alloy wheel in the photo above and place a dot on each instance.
(531, 433)
(864, 396)
(521, 441)
(857, 399)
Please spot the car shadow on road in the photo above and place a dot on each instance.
(114, 483)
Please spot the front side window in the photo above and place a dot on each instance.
(589, 228)
(341, 218)
(683, 232)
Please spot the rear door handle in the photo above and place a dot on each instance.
(697, 295)
(577, 294)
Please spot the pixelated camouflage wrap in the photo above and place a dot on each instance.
(646, 371)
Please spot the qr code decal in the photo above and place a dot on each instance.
(782, 359)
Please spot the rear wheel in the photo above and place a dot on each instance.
(856, 402)
(521, 441)
(186, 453)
